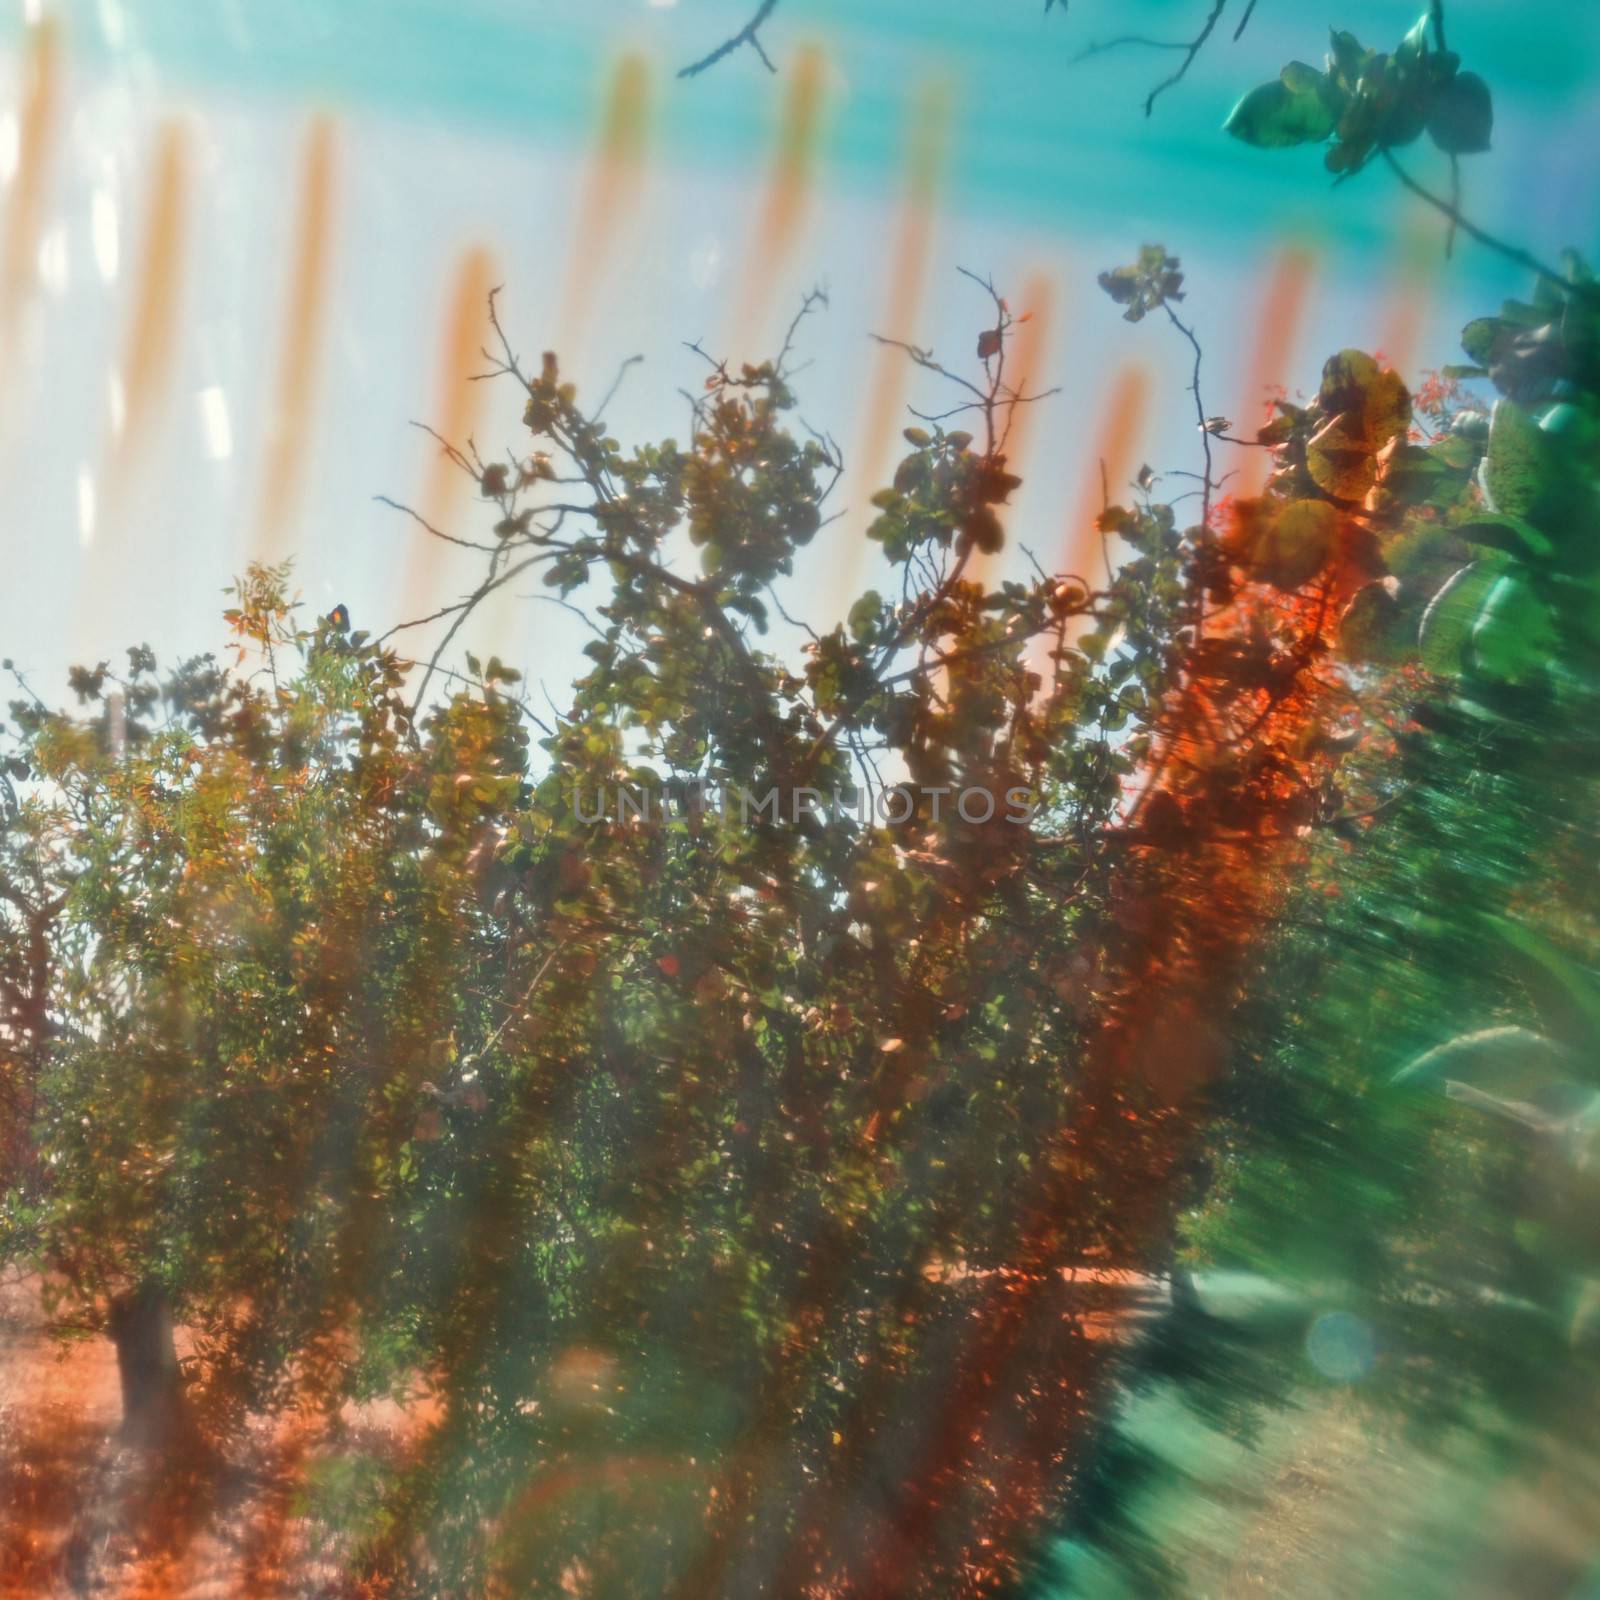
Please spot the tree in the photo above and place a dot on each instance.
(387, 1056)
(256, 894)
(1405, 1152)
(29, 903)
(732, 1109)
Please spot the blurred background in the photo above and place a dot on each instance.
(247, 244)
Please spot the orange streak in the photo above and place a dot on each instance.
(1028, 359)
(466, 331)
(1109, 467)
(903, 302)
(40, 106)
(288, 430)
(1405, 310)
(788, 189)
(1115, 452)
(1025, 372)
(1283, 307)
(612, 184)
(152, 339)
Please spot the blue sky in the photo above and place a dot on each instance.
(472, 123)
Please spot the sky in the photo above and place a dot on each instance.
(246, 245)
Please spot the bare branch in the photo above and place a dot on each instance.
(1510, 251)
(454, 452)
(1188, 60)
(438, 533)
(924, 358)
(747, 35)
(815, 297)
(616, 383)
(1100, 47)
(1190, 47)
(465, 610)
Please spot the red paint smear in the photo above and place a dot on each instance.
(1027, 369)
(908, 271)
(40, 115)
(305, 321)
(787, 195)
(612, 186)
(1283, 308)
(149, 360)
(465, 333)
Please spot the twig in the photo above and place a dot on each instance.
(1188, 61)
(616, 383)
(1510, 251)
(484, 589)
(748, 34)
(566, 605)
(1190, 47)
(1099, 47)
(1455, 204)
(793, 622)
(516, 1010)
(519, 701)
(1208, 483)
(438, 533)
(814, 297)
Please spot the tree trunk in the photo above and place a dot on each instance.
(140, 1325)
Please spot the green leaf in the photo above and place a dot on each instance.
(865, 615)
(1562, 421)
(752, 608)
(1502, 1058)
(1414, 47)
(1412, 475)
(1461, 115)
(1294, 109)
(1370, 629)
(1567, 995)
(1447, 623)
(1249, 1299)
(1368, 405)
(1514, 471)
(1515, 537)
(1514, 636)
(1293, 546)
(1301, 79)
(1347, 56)
(1148, 284)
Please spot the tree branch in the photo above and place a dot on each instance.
(1510, 251)
(749, 34)
(1190, 47)
(1188, 61)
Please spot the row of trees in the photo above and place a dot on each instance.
(750, 1192)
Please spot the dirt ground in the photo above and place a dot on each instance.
(1319, 1508)
(80, 1515)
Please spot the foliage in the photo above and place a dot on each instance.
(1367, 101)
(1405, 1146)
(391, 1062)
(749, 1183)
